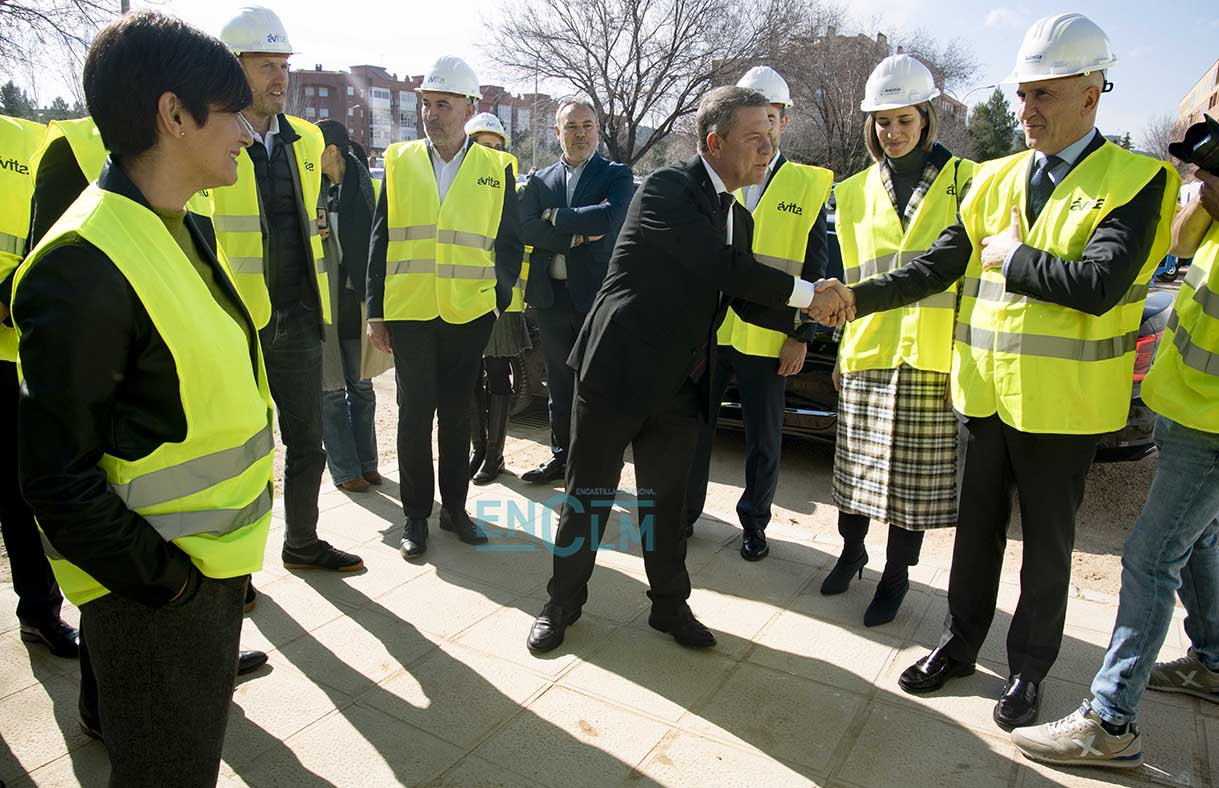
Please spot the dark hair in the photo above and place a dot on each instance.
(717, 111)
(335, 133)
(136, 59)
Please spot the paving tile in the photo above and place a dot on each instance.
(1038, 775)
(969, 701)
(826, 652)
(455, 693)
(384, 571)
(38, 725)
(25, 664)
(777, 714)
(474, 772)
(357, 746)
(649, 674)
(504, 632)
(565, 738)
(684, 759)
(847, 609)
(900, 746)
(443, 604)
(773, 581)
(88, 766)
(288, 609)
(517, 565)
(614, 594)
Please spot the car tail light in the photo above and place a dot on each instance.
(1144, 352)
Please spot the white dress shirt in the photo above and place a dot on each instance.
(446, 171)
(571, 175)
(268, 139)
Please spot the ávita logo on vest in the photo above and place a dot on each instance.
(12, 165)
(791, 207)
(1083, 204)
(488, 180)
(309, 166)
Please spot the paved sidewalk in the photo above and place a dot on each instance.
(417, 673)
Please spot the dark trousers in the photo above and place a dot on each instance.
(165, 681)
(349, 420)
(437, 365)
(559, 324)
(662, 444)
(902, 549)
(38, 597)
(762, 391)
(292, 349)
(1048, 472)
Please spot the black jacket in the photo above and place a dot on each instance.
(1095, 284)
(508, 248)
(661, 302)
(355, 208)
(99, 379)
(598, 208)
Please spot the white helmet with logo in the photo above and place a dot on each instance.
(898, 81)
(256, 29)
(451, 74)
(1064, 45)
(767, 81)
(485, 121)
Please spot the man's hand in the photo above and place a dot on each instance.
(378, 334)
(791, 356)
(996, 248)
(1209, 196)
(323, 228)
(833, 303)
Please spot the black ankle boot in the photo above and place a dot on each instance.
(497, 433)
(890, 591)
(478, 431)
(850, 564)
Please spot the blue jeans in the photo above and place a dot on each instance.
(1172, 549)
(348, 421)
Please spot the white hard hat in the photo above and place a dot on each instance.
(255, 29)
(485, 121)
(767, 81)
(898, 81)
(1064, 45)
(451, 75)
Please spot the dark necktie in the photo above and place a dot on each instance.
(726, 201)
(1041, 186)
(700, 362)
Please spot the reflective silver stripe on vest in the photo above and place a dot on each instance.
(216, 522)
(246, 265)
(520, 285)
(990, 290)
(11, 244)
(410, 267)
(320, 265)
(49, 548)
(448, 271)
(1047, 346)
(1205, 297)
(416, 232)
(1194, 356)
(194, 476)
(876, 267)
(460, 238)
(944, 300)
(237, 224)
(784, 264)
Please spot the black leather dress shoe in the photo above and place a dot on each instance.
(549, 627)
(839, 578)
(1018, 705)
(684, 628)
(414, 537)
(546, 473)
(932, 672)
(250, 661)
(56, 634)
(884, 606)
(460, 524)
(753, 546)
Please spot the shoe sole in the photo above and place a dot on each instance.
(755, 557)
(1131, 762)
(1011, 726)
(1213, 697)
(533, 650)
(352, 568)
(712, 644)
(37, 639)
(965, 673)
(408, 556)
(460, 538)
(249, 606)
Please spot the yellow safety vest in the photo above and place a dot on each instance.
(782, 220)
(376, 190)
(209, 494)
(1042, 367)
(440, 260)
(238, 220)
(873, 242)
(1183, 383)
(19, 139)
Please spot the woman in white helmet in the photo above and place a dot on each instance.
(509, 338)
(897, 436)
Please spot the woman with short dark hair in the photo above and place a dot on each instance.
(145, 418)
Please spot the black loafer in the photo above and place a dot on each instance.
(932, 672)
(839, 578)
(460, 523)
(684, 628)
(250, 661)
(885, 604)
(753, 546)
(62, 639)
(547, 472)
(1018, 705)
(550, 627)
(414, 538)
(322, 556)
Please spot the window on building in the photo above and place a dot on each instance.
(350, 112)
(380, 93)
(308, 90)
(325, 112)
(406, 118)
(310, 113)
(350, 90)
(1214, 97)
(323, 92)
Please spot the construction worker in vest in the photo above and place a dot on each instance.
(38, 597)
(509, 339)
(1174, 545)
(789, 235)
(1055, 246)
(145, 431)
(444, 258)
(895, 457)
(267, 225)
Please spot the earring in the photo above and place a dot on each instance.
(181, 133)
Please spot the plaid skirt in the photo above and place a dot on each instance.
(896, 456)
(509, 336)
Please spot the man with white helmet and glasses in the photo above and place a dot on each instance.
(788, 210)
(267, 225)
(443, 261)
(1056, 246)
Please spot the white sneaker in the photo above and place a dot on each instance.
(1079, 739)
(1187, 676)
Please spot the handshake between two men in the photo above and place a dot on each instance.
(833, 303)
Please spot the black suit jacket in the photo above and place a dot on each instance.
(602, 180)
(661, 301)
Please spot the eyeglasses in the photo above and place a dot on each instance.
(246, 125)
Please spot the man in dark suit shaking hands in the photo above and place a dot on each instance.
(643, 359)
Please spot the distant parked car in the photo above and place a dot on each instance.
(1170, 268)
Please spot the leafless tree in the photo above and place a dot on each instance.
(644, 64)
(31, 28)
(1158, 133)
